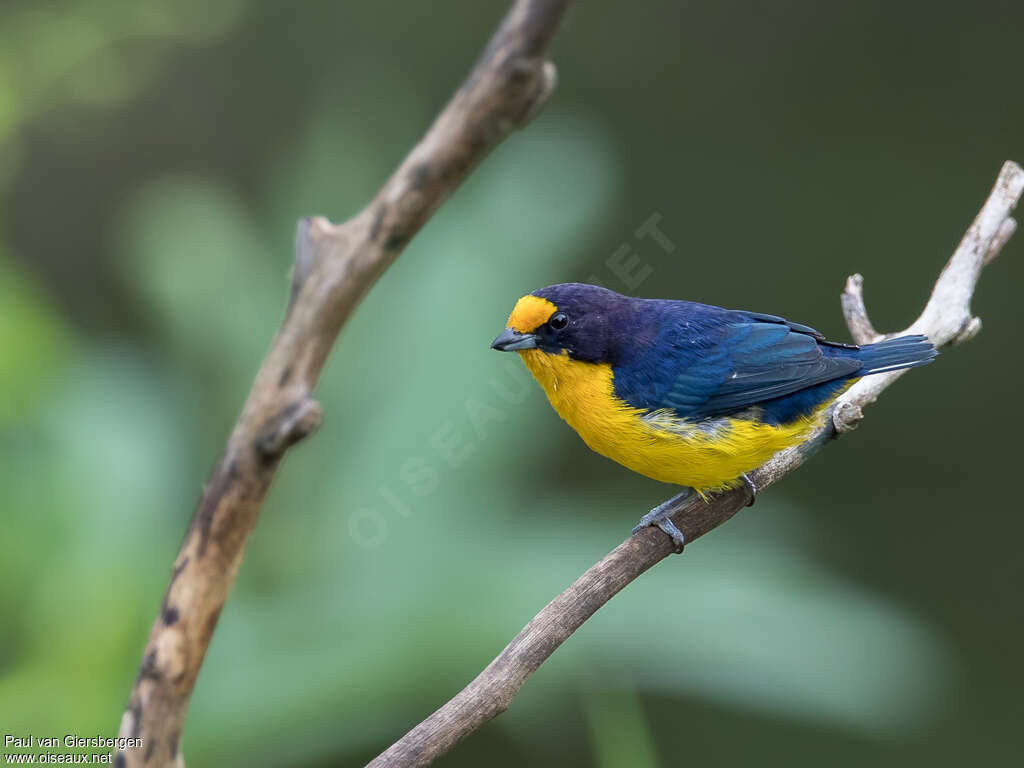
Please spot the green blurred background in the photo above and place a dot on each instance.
(154, 158)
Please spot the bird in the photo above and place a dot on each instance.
(685, 393)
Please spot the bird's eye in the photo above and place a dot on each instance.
(558, 321)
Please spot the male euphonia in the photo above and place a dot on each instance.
(686, 393)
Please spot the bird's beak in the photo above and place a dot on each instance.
(509, 341)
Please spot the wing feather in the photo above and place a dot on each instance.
(755, 358)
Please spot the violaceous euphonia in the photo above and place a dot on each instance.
(686, 393)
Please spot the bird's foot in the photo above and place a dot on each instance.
(661, 516)
(752, 487)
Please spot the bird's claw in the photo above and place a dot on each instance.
(678, 540)
(661, 516)
(752, 487)
(666, 525)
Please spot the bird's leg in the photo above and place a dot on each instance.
(752, 487)
(661, 516)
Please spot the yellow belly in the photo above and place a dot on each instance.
(707, 456)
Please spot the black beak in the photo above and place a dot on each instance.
(509, 341)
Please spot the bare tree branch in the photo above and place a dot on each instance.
(855, 313)
(334, 267)
(946, 319)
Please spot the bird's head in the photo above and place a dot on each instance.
(572, 319)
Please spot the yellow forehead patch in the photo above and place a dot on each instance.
(530, 313)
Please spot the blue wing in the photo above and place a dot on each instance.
(724, 362)
(751, 363)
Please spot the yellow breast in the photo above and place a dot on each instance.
(708, 455)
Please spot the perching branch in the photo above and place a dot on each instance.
(334, 267)
(946, 319)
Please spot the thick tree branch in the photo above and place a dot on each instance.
(946, 319)
(334, 266)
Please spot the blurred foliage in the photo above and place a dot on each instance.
(153, 160)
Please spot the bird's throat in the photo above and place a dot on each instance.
(582, 394)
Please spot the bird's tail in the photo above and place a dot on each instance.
(894, 354)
